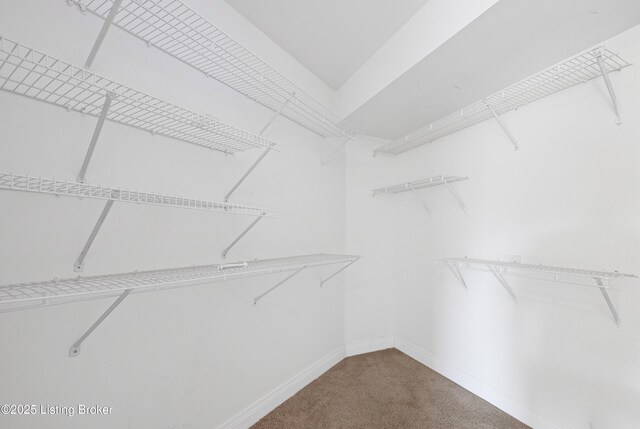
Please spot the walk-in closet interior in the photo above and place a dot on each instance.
(319, 214)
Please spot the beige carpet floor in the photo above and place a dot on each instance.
(385, 389)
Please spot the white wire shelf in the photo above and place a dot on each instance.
(603, 279)
(578, 69)
(28, 72)
(82, 288)
(24, 183)
(419, 184)
(425, 183)
(179, 31)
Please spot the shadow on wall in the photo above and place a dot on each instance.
(576, 365)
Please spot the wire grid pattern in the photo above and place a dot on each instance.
(573, 71)
(28, 72)
(93, 287)
(418, 184)
(15, 182)
(604, 275)
(176, 29)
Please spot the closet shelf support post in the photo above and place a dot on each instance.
(607, 81)
(503, 126)
(498, 275)
(242, 234)
(262, 155)
(280, 283)
(322, 282)
(103, 32)
(79, 265)
(607, 298)
(75, 348)
(109, 97)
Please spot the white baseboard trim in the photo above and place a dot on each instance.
(277, 396)
(370, 345)
(494, 396)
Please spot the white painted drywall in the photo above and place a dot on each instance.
(187, 358)
(569, 197)
(434, 24)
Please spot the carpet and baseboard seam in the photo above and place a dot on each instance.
(494, 396)
(480, 388)
(277, 396)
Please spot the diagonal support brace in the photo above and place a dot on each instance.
(75, 348)
(245, 175)
(322, 282)
(503, 126)
(242, 234)
(605, 294)
(262, 155)
(455, 195)
(456, 273)
(607, 81)
(79, 265)
(502, 281)
(109, 97)
(424, 204)
(103, 32)
(280, 283)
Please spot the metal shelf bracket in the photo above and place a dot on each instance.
(263, 154)
(503, 126)
(605, 294)
(498, 275)
(607, 81)
(109, 97)
(455, 194)
(75, 348)
(242, 234)
(280, 283)
(453, 267)
(103, 32)
(79, 264)
(423, 202)
(322, 282)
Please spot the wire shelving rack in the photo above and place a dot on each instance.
(578, 69)
(603, 280)
(25, 183)
(419, 184)
(83, 288)
(181, 32)
(34, 74)
(425, 183)
(25, 296)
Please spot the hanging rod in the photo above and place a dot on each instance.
(179, 31)
(580, 68)
(425, 183)
(25, 296)
(28, 72)
(603, 279)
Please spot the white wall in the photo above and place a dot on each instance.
(569, 197)
(188, 358)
